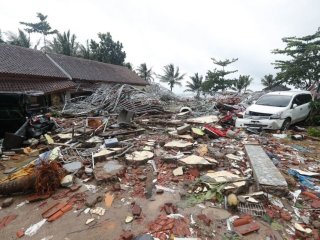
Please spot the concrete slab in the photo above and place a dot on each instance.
(265, 172)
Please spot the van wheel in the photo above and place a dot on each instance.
(286, 124)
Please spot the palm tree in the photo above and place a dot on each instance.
(195, 85)
(145, 73)
(171, 76)
(64, 44)
(268, 81)
(242, 83)
(85, 51)
(21, 39)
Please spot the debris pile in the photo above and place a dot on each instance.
(143, 173)
(113, 99)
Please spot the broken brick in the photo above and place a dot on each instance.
(136, 210)
(242, 221)
(204, 219)
(247, 228)
(55, 216)
(126, 235)
(20, 233)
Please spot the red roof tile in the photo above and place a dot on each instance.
(31, 84)
(83, 69)
(28, 62)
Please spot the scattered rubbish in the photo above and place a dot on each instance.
(90, 220)
(122, 147)
(129, 219)
(98, 211)
(33, 229)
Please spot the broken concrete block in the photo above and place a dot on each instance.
(225, 176)
(178, 171)
(139, 157)
(195, 160)
(67, 181)
(178, 144)
(72, 167)
(204, 119)
(265, 173)
(7, 202)
(88, 170)
(183, 129)
(103, 154)
(108, 171)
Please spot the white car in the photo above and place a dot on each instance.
(277, 110)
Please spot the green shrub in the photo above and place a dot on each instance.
(314, 132)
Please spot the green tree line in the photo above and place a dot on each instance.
(299, 66)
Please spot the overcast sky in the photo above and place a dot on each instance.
(187, 33)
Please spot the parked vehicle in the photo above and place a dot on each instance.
(277, 110)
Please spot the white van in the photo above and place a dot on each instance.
(277, 110)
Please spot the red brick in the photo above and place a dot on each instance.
(247, 228)
(55, 216)
(20, 233)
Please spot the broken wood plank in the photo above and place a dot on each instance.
(266, 175)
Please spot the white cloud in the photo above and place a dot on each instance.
(184, 32)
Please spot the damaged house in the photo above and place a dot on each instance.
(31, 80)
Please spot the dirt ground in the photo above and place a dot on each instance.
(111, 225)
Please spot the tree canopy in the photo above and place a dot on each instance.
(301, 64)
(42, 27)
(242, 83)
(145, 72)
(107, 50)
(64, 43)
(171, 76)
(269, 81)
(21, 39)
(195, 84)
(216, 79)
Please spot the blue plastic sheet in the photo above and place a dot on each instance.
(305, 181)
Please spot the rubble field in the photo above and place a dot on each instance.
(123, 164)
